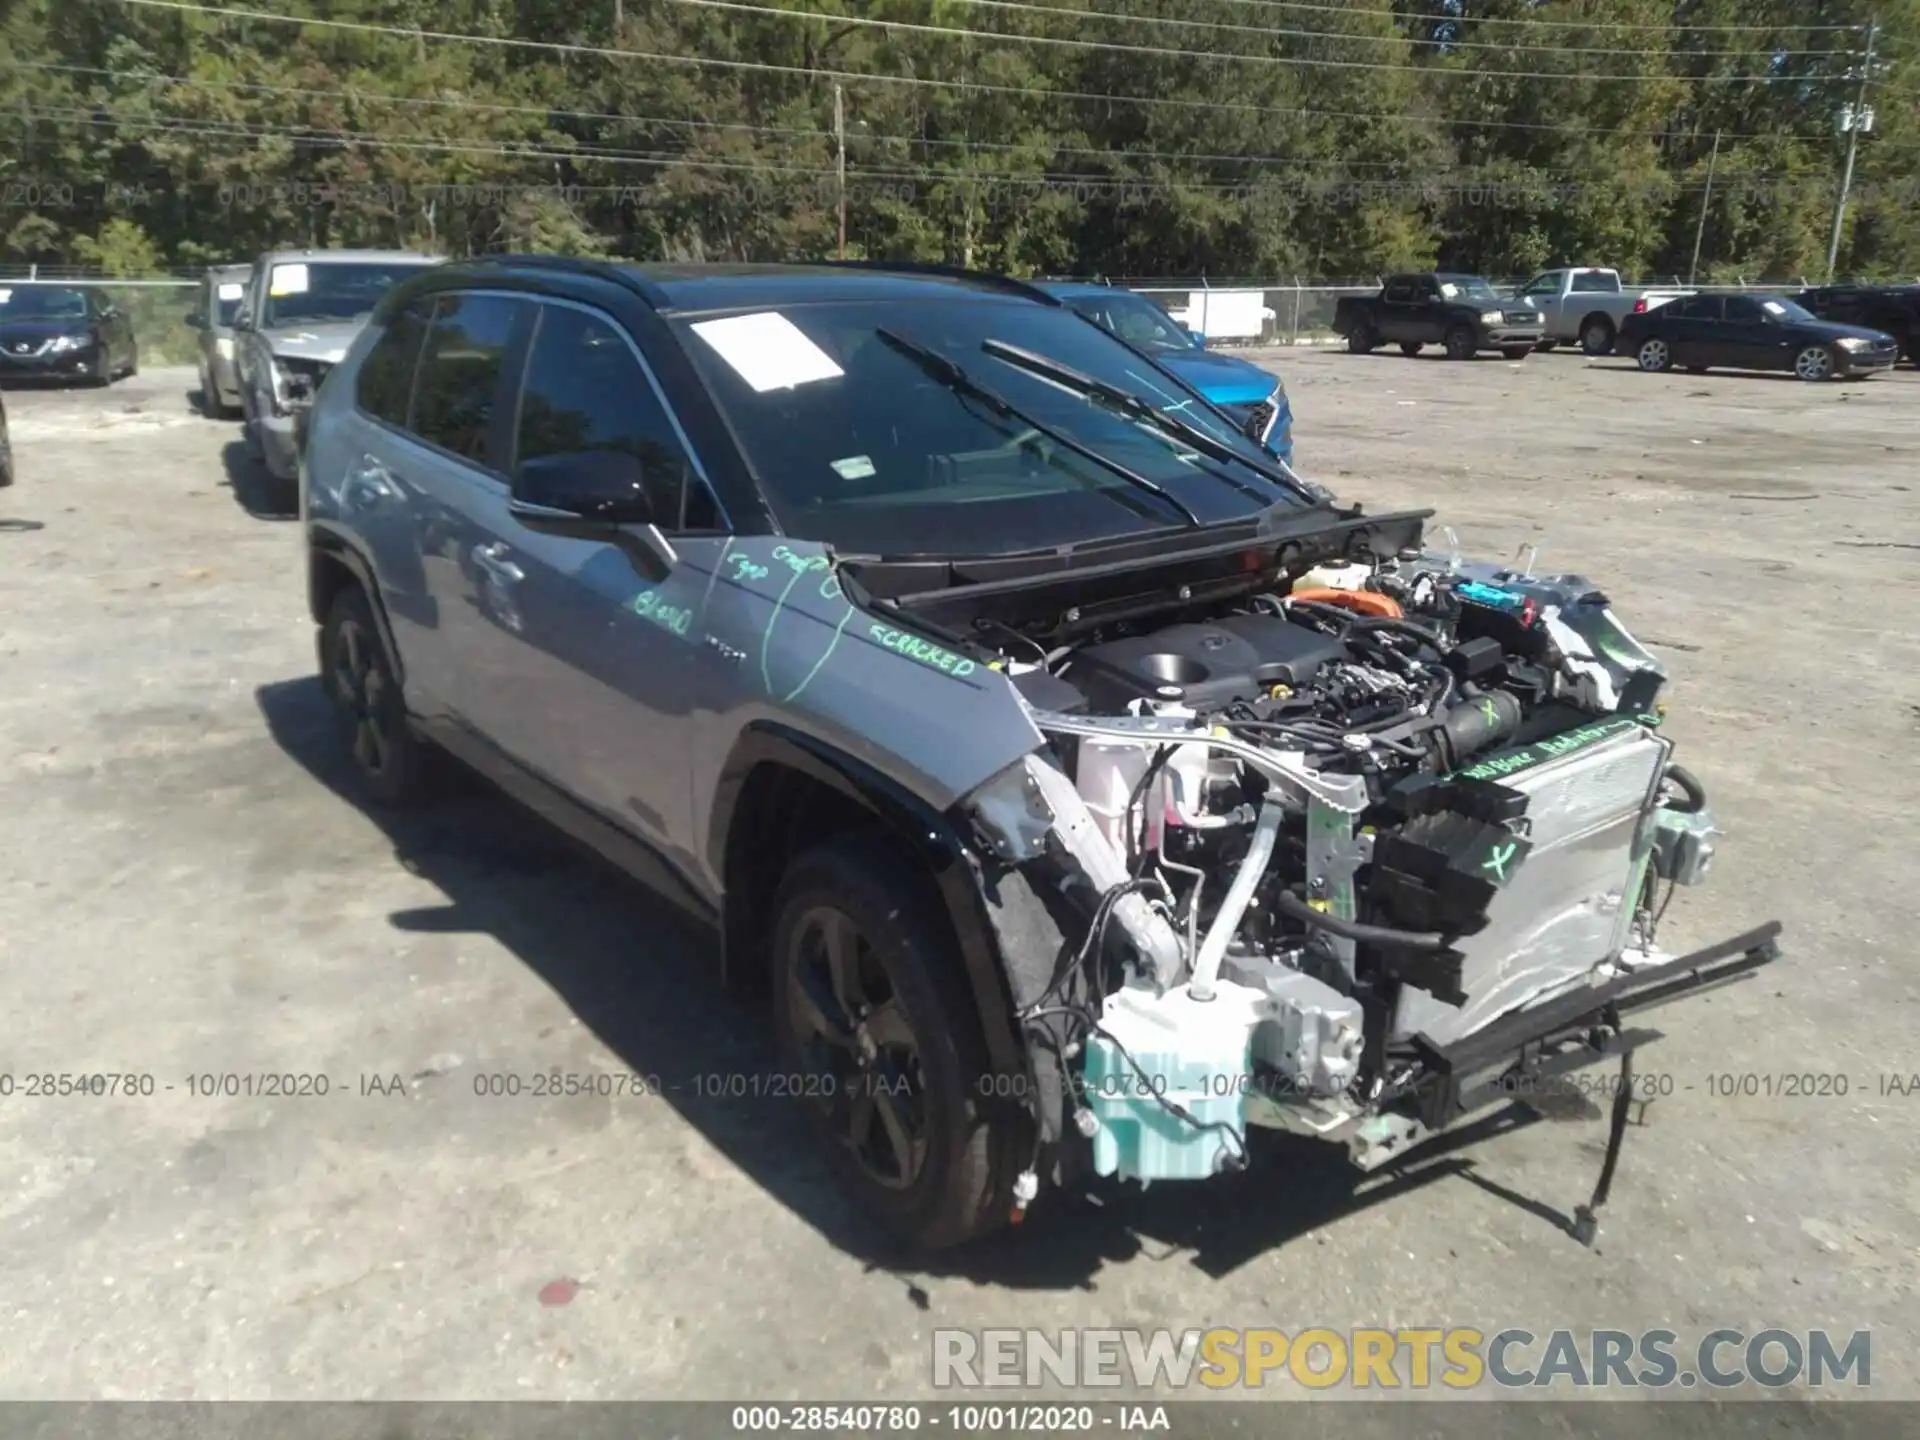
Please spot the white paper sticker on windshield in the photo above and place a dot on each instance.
(1449, 291)
(231, 291)
(1773, 307)
(854, 467)
(768, 351)
(288, 280)
(5, 296)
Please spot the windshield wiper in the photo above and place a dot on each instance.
(1128, 403)
(955, 378)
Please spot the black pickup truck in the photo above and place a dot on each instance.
(1460, 312)
(1894, 309)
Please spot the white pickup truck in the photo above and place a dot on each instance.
(1586, 304)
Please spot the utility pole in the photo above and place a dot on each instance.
(619, 16)
(1854, 118)
(840, 161)
(1701, 229)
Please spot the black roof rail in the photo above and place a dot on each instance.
(609, 270)
(951, 272)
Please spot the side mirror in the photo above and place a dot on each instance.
(593, 495)
(242, 321)
(195, 320)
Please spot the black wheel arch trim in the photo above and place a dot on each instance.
(323, 540)
(935, 837)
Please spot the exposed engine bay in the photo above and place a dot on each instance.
(1346, 849)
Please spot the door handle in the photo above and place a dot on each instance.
(492, 558)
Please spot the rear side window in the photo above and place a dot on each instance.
(1593, 283)
(386, 376)
(457, 391)
(585, 391)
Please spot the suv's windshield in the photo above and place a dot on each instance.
(312, 291)
(1139, 322)
(1466, 287)
(36, 302)
(863, 445)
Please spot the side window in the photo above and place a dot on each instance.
(1744, 307)
(1400, 291)
(585, 391)
(385, 384)
(459, 380)
(1545, 285)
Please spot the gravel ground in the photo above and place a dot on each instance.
(187, 889)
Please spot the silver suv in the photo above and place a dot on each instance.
(1080, 785)
(301, 310)
(216, 304)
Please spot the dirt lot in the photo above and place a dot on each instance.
(186, 890)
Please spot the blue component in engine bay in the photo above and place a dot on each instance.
(1480, 594)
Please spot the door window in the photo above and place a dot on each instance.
(457, 391)
(586, 391)
(1745, 309)
(1400, 292)
(1545, 285)
(385, 387)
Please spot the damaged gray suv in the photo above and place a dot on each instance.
(1078, 786)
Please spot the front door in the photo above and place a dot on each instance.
(588, 666)
(1749, 338)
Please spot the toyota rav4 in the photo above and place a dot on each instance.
(1077, 785)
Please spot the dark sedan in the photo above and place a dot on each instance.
(61, 332)
(1752, 332)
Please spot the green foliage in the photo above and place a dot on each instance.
(1118, 137)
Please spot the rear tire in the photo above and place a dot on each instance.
(1517, 352)
(1461, 344)
(1411, 347)
(1362, 342)
(1546, 345)
(874, 1019)
(1696, 369)
(1597, 336)
(369, 708)
(1655, 356)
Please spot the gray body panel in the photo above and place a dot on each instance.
(219, 373)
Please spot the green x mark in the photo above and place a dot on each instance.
(1491, 711)
(1497, 860)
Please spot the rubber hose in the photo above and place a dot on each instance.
(1288, 903)
(1690, 787)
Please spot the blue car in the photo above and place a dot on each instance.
(1243, 390)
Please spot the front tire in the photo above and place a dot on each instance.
(1517, 352)
(1815, 363)
(1411, 348)
(1596, 336)
(1461, 344)
(875, 1023)
(369, 709)
(1655, 356)
(1362, 341)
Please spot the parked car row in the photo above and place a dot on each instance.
(1830, 333)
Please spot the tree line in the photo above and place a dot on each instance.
(1230, 138)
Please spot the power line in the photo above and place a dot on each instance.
(1656, 27)
(1167, 52)
(1455, 178)
(1268, 32)
(573, 49)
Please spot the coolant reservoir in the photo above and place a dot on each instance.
(1335, 577)
(1190, 1052)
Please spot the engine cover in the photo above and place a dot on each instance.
(1202, 664)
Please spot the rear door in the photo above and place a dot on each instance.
(588, 680)
(443, 469)
(1693, 329)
